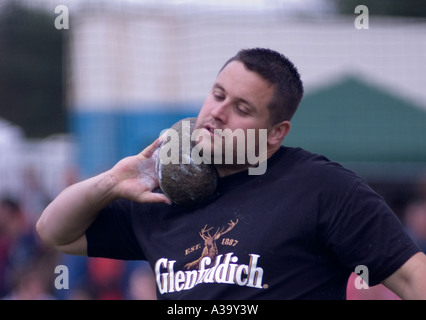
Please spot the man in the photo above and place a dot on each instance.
(295, 232)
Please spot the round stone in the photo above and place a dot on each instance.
(186, 183)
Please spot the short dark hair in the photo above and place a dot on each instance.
(280, 72)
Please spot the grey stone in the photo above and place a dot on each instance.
(186, 184)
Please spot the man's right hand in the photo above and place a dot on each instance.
(134, 178)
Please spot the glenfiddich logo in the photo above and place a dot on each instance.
(210, 267)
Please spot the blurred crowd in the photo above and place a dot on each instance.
(27, 265)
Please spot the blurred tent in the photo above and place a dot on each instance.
(50, 159)
(10, 138)
(369, 129)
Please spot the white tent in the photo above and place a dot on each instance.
(33, 171)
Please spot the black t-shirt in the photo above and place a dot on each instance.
(295, 232)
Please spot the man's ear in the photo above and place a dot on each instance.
(278, 131)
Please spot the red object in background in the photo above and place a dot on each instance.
(105, 276)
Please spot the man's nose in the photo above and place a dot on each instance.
(220, 112)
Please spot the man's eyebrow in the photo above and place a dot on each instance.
(218, 86)
(248, 103)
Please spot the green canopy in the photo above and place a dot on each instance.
(371, 130)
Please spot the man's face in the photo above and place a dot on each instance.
(239, 99)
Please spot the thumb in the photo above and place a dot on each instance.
(153, 197)
(149, 151)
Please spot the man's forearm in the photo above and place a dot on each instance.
(64, 222)
(409, 281)
(67, 218)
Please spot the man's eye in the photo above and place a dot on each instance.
(242, 110)
(218, 96)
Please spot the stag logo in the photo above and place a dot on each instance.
(210, 247)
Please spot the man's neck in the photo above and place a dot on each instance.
(224, 170)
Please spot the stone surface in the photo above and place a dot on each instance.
(185, 184)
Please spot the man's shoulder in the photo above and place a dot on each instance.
(301, 157)
(314, 166)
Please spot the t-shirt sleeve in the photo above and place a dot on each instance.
(363, 230)
(112, 236)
